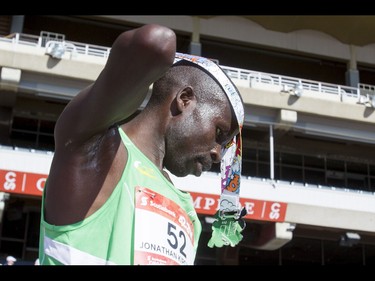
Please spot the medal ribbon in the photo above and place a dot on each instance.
(227, 227)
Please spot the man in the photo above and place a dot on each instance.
(108, 199)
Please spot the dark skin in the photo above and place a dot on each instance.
(89, 154)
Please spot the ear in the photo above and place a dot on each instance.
(185, 98)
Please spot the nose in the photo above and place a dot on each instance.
(216, 153)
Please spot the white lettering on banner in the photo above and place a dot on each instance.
(275, 211)
(249, 206)
(10, 181)
(22, 182)
(197, 202)
(40, 184)
(256, 209)
(263, 208)
(209, 202)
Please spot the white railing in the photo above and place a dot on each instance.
(70, 46)
(363, 94)
(287, 82)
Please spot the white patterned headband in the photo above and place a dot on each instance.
(232, 153)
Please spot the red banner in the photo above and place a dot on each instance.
(256, 209)
(22, 182)
(208, 204)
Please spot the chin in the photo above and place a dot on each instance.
(178, 173)
(181, 174)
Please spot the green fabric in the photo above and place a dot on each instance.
(108, 234)
(226, 230)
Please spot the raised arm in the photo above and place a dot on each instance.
(85, 169)
(138, 57)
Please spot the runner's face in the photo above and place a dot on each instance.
(194, 142)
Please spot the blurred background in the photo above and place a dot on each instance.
(308, 84)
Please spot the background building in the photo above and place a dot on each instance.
(309, 155)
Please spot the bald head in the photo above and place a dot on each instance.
(184, 74)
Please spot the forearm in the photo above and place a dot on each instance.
(138, 58)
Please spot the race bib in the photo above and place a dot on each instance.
(164, 234)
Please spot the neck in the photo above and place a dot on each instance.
(148, 135)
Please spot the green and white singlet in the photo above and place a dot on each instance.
(146, 220)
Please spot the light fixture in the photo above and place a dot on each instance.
(349, 239)
(55, 49)
(298, 89)
(370, 103)
(367, 100)
(295, 90)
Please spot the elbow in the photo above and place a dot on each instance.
(160, 41)
(156, 44)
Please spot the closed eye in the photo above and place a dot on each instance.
(221, 137)
(218, 133)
